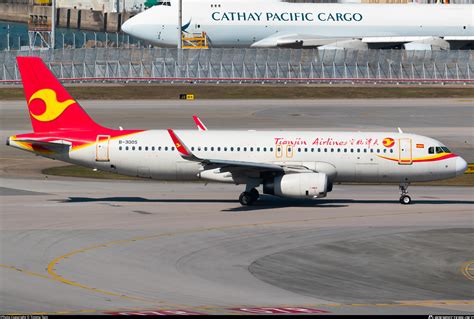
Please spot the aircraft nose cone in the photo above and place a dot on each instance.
(461, 166)
(128, 26)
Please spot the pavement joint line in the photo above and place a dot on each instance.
(51, 268)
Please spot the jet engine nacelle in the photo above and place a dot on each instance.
(301, 185)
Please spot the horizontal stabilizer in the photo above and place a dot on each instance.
(58, 146)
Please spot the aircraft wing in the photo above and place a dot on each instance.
(200, 125)
(293, 40)
(227, 165)
(311, 40)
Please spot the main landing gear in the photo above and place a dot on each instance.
(404, 198)
(248, 198)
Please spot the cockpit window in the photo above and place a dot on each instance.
(445, 149)
(164, 3)
(431, 150)
(439, 150)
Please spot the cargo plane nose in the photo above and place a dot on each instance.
(128, 27)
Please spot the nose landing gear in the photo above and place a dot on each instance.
(248, 198)
(405, 199)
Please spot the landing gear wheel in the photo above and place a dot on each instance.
(405, 200)
(254, 193)
(246, 199)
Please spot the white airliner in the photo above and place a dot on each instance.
(289, 164)
(273, 23)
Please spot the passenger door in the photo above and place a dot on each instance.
(405, 151)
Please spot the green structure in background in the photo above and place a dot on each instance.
(151, 3)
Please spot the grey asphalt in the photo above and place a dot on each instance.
(87, 246)
(90, 246)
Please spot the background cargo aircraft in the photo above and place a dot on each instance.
(272, 23)
(287, 164)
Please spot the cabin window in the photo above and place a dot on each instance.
(152, 148)
(212, 148)
(264, 149)
(126, 148)
(225, 149)
(238, 149)
(192, 148)
(271, 149)
(166, 148)
(139, 148)
(219, 149)
(133, 148)
(251, 149)
(120, 148)
(332, 150)
(245, 149)
(231, 149)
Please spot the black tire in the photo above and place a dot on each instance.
(246, 199)
(405, 200)
(254, 193)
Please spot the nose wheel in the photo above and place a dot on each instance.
(405, 199)
(248, 198)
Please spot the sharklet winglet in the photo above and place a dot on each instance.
(183, 150)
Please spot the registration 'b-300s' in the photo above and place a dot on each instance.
(293, 164)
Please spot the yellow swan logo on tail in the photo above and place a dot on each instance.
(53, 109)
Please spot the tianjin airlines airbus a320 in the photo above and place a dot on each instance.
(289, 164)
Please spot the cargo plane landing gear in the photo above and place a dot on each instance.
(249, 197)
(404, 198)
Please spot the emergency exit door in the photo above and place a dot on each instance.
(405, 151)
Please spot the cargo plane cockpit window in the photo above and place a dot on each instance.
(164, 3)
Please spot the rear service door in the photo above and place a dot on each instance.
(102, 148)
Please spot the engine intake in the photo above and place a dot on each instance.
(301, 185)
